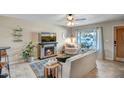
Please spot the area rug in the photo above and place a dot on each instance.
(38, 68)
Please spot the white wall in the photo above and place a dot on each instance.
(108, 35)
(7, 24)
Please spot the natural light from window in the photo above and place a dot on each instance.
(87, 38)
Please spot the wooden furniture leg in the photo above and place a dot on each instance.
(8, 67)
(61, 71)
(45, 72)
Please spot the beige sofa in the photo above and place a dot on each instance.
(72, 48)
(79, 65)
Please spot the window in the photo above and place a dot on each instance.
(87, 38)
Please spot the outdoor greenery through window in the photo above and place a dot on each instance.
(87, 38)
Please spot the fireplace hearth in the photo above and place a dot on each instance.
(48, 49)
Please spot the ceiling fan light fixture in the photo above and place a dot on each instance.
(70, 17)
(70, 23)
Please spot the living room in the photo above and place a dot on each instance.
(68, 38)
(61, 46)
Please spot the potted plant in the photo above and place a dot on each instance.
(27, 53)
(82, 45)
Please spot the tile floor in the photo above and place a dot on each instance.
(104, 69)
(22, 70)
(107, 69)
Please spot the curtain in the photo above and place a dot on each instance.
(100, 44)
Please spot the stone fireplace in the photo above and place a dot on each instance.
(48, 49)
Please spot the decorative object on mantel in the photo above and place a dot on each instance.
(17, 34)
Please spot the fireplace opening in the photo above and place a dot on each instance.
(49, 51)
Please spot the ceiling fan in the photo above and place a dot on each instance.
(71, 17)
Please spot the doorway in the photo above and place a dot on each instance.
(119, 43)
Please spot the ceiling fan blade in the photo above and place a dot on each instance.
(80, 19)
(62, 18)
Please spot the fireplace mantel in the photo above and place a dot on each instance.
(45, 43)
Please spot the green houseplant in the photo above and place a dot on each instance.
(82, 45)
(27, 53)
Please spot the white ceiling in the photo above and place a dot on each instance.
(60, 19)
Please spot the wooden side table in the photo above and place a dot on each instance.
(3, 53)
(52, 70)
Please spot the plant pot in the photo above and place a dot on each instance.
(30, 59)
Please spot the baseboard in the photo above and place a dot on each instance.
(108, 58)
(12, 63)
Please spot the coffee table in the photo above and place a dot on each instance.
(63, 57)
